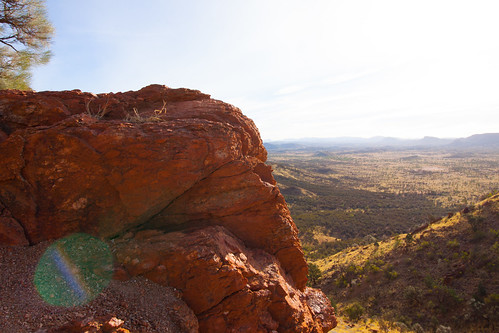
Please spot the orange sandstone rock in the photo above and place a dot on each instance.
(229, 286)
(65, 170)
(11, 232)
(168, 159)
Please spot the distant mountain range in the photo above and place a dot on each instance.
(487, 140)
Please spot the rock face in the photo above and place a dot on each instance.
(227, 284)
(180, 176)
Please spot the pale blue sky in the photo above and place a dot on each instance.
(315, 68)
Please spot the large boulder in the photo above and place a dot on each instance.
(228, 285)
(170, 160)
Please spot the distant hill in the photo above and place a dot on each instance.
(284, 145)
(488, 140)
(443, 273)
(478, 140)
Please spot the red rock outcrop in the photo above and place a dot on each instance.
(167, 159)
(229, 286)
(11, 232)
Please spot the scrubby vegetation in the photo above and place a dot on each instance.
(393, 237)
(341, 198)
(438, 276)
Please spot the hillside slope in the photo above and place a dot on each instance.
(445, 273)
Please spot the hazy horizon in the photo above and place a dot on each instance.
(298, 69)
(374, 137)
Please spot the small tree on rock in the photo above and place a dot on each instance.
(25, 35)
(314, 274)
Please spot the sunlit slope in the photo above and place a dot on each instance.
(444, 273)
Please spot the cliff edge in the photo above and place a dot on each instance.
(176, 182)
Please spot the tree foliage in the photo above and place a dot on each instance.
(25, 35)
(314, 274)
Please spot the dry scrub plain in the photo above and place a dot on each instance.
(341, 197)
(354, 208)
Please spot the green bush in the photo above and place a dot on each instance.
(354, 311)
(373, 265)
(495, 247)
(341, 281)
(390, 272)
(392, 275)
(413, 295)
(334, 305)
(429, 281)
(480, 292)
(423, 245)
(465, 255)
(447, 297)
(488, 195)
(475, 221)
(492, 299)
(478, 236)
(494, 232)
(409, 238)
(314, 274)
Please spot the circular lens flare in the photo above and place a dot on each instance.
(73, 270)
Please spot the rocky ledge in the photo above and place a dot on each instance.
(176, 182)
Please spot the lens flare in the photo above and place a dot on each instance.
(73, 270)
